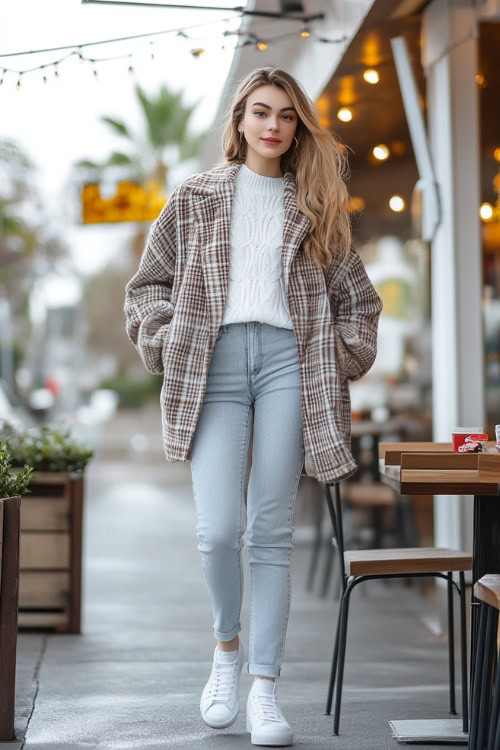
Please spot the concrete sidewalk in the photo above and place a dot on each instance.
(134, 677)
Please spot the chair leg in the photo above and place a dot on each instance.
(335, 656)
(476, 691)
(463, 654)
(451, 644)
(341, 657)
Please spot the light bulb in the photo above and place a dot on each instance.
(371, 76)
(345, 114)
(486, 211)
(380, 152)
(397, 203)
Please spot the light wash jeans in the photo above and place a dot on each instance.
(253, 379)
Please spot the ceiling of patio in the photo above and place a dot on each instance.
(379, 117)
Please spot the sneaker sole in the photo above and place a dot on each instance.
(276, 739)
(227, 722)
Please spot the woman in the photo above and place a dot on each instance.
(257, 310)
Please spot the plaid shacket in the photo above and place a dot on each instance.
(175, 302)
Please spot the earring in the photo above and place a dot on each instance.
(296, 141)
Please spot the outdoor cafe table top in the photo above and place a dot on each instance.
(436, 482)
(409, 481)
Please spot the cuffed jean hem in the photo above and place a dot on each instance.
(227, 636)
(266, 670)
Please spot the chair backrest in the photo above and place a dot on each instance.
(487, 589)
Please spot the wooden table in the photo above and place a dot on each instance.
(433, 469)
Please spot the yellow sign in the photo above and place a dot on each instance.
(396, 296)
(131, 202)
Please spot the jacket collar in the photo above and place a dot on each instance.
(221, 180)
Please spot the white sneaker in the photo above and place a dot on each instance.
(265, 721)
(220, 700)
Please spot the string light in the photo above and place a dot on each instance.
(130, 68)
(371, 76)
(356, 203)
(486, 211)
(196, 52)
(397, 203)
(380, 152)
(345, 114)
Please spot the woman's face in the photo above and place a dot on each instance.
(269, 113)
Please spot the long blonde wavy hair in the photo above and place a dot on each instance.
(318, 162)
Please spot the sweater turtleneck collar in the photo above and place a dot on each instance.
(250, 180)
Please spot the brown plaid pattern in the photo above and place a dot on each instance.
(175, 302)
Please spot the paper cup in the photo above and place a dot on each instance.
(460, 434)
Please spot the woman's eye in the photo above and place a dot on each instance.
(263, 113)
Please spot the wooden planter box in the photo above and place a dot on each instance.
(9, 583)
(51, 552)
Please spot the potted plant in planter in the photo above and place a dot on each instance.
(51, 526)
(12, 486)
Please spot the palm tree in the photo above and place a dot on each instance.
(165, 120)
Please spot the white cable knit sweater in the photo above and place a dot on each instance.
(256, 290)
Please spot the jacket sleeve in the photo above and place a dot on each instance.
(356, 309)
(148, 308)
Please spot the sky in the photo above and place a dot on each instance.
(58, 123)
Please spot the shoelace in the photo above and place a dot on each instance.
(220, 689)
(267, 707)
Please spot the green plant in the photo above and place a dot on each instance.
(12, 483)
(46, 448)
(133, 393)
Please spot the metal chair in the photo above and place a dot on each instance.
(363, 492)
(485, 710)
(363, 565)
